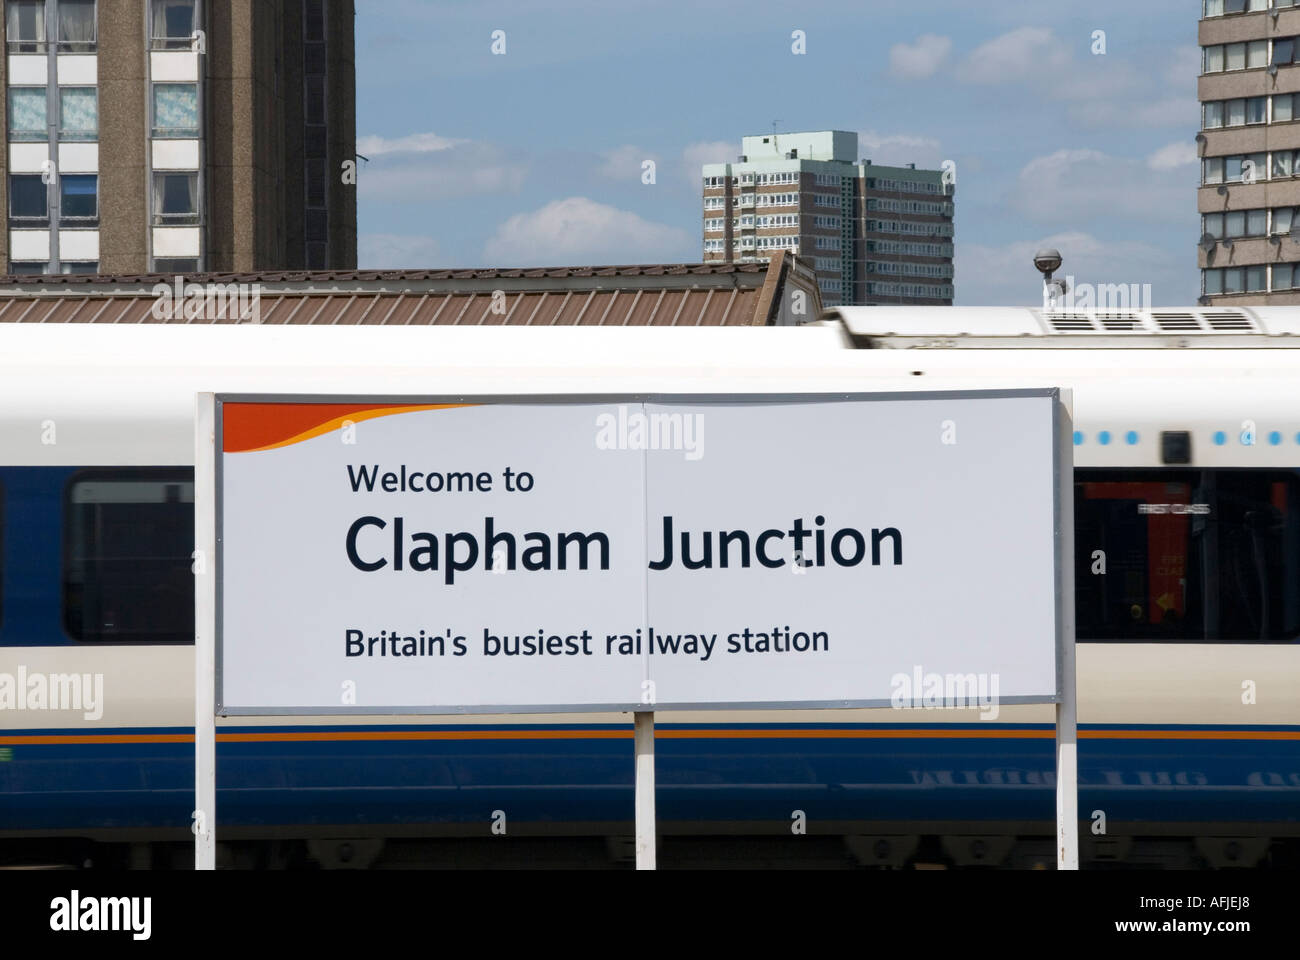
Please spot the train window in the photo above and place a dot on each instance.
(129, 537)
(1187, 555)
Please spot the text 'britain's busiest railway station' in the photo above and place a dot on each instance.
(767, 544)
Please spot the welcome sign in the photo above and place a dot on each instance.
(444, 555)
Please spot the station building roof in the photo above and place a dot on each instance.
(683, 294)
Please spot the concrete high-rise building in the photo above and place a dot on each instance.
(1249, 145)
(875, 234)
(178, 136)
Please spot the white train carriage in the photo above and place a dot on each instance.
(1187, 449)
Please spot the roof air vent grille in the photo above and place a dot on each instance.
(1117, 322)
(1176, 321)
(1228, 321)
(1070, 322)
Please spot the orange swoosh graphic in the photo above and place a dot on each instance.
(254, 427)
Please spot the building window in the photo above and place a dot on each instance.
(175, 199)
(1217, 8)
(313, 27)
(1284, 51)
(28, 199)
(314, 94)
(78, 113)
(1236, 56)
(1235, 224)
(79, 267)
(1283, 218)
(20, 268)
(129, 535)
(1286, 162)
(1285, 276)
(172, 25)
(175, 110)
(27, 114)
(176, 267)
(79, 196)
(25, 26)
(1235, 113)
(316, 224)
(1248, 167)
(1236, 280)
(316, 183)
(76, 26)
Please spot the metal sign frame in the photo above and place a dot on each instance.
(208, 601)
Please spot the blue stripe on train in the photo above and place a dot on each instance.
(85, 786)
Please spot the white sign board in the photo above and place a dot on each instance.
(459, 555)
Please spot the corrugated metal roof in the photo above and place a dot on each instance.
(634, 295)
(403, 276)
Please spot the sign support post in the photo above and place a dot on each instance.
(203, 822)
(644, 734)
(1067, 718)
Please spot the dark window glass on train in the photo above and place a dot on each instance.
(1187, 555)
(127, 555)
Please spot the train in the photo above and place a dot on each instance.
(1186, 485)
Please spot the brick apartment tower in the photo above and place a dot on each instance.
(875, 234)
(178, 136)
(1249, 145)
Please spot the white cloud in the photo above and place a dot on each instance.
(1005, 275)
(577, 230)
(1079, 186)
(696, 155)
(1141, 115)
(625, 163)
(899, 149)
(920, 59)
(1044, 66)
(1026, 53)
(1177, 154)
(378, 251)
(374, 146)
(422, 167)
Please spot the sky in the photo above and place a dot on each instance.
(1061, 135)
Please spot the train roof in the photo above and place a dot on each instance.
(1010, 327)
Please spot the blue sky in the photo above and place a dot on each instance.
(534, 157)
